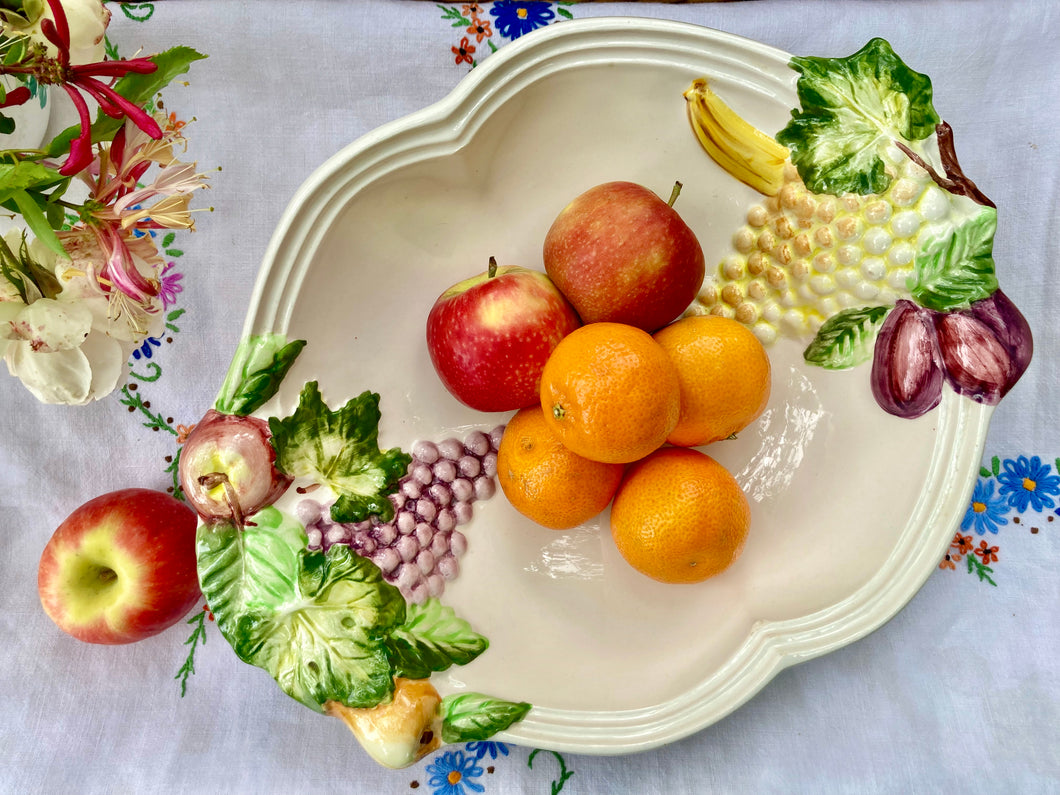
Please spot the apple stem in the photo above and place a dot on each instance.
(106, 575)
(675, 193)
(492, 270)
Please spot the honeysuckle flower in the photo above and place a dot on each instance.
(119, 211)
(86, 19)
(79, 80)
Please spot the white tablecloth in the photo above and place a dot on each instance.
(958, 693)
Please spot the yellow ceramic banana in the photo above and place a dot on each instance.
(737, 146)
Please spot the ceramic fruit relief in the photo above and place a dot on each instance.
(347, 618)
(329, 559)
(871, 239)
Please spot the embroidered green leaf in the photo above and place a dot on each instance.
(846, 338)
(260, 363)
(851, 109)
(315, 621)
(138, 12)
(340, 449)
(197, 637)
(564, 773)
(980, 569)
(432, 638)
(955, 270)
(470, 717)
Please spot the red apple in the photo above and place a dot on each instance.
(619, 253)
(121, 567)
(489, 336)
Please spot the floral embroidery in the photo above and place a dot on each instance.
(464, 51)
(506, 20)
(145, 350)
(1007, 493)
(987, 511)
(986, 553)
(517, 17)
(454, 773)
(1027, 481)
(481, 749)
(169, 285)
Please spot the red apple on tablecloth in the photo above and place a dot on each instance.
(619, 253)
(489, 336)
(121, 567)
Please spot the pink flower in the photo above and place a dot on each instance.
(76, 79)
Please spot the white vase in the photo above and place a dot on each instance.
(31, 118)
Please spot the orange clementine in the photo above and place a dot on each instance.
(724, 373)
(610, 392)
(545, 481)
(679, 516)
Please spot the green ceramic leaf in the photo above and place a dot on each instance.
(249, 570)
(256, 372)
(432, 638)
(470, 717)
(340, 449)
(315, 621)
(846, 338)
(851, 109)
(955, 270)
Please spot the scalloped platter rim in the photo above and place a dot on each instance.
(852, 508)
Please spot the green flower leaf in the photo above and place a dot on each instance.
(139, 89)
(846, 338)
(958, 268)
(340, 449)
(26, 175)
(470, 717)
(36, 219)
(315, 621)
(258, 368)
(432, 638)
(851, 109)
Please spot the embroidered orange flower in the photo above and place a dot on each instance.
(464, 51)
(472, 9)
(987, 554)
(480, 29)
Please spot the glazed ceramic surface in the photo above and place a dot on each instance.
(852, 508)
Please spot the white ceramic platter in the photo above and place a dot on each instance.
(852, 508)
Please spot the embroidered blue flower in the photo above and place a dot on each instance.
(480, 749)
(1026, 481)
(453, 772)
(987, 511)
(516, 17)
(146, 350)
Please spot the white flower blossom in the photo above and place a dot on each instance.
(87, 19)
(74, 348)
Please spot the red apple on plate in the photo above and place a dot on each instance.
(619, 253)
(489, 336)
(121, 567)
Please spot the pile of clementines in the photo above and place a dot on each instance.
(615, 388)
(621, 414)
